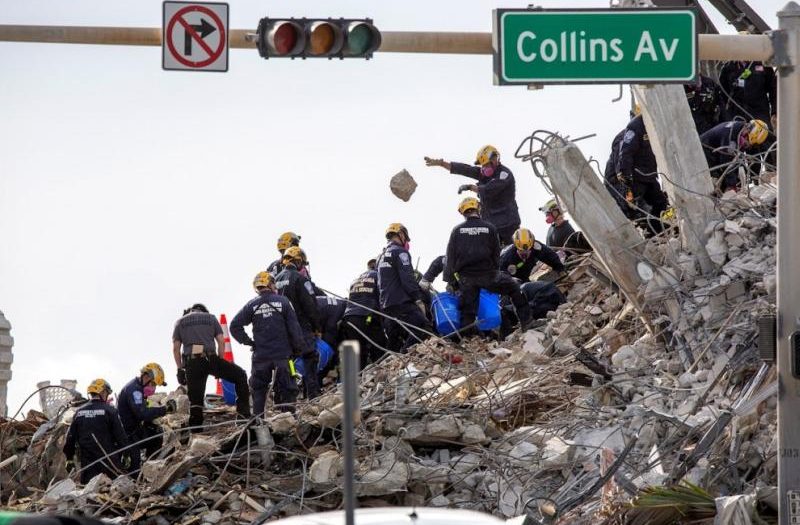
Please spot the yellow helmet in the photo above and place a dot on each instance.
(550, 205)
(262, 280)
(485, 154)
(523, 239)
(758, 132)
(396, 228)
(288, 239)
(155, 370)
(470, 203)
(98, 386)
(294, 254)
(637, 110)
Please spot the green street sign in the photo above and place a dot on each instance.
(594, 46)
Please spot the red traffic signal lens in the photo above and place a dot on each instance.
(324, 39)
(286, 39)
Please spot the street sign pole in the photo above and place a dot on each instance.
(787, 56)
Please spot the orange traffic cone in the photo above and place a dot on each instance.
(226, 388)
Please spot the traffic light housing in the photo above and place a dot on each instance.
(317, 38)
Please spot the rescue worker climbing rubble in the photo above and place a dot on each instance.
(749, 90)
(198, 346)
(277, 337)
(137, 416)
(473, 254)
(496, 189)
(637, 172)
(285, 241)
(399, 292)
(96, 432)
(300, 291)
(519, 259)
(724, 143)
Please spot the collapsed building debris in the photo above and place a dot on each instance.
(403, 185)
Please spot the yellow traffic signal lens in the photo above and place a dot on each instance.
(323, 39)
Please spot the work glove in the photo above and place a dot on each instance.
(433, 162)
(421, 307)
(172, 406)
(425, 285)
(125, 460)
(182, 376)
(625, 178)
(70, 465)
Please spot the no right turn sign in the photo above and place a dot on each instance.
(195, 36)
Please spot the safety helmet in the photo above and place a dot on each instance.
(294, 254)
(98, 386)
(550, 205)
(262, 280)
(523, 239)
(288, 239)
(485, 154)
(396, 228)
(757, 132)
(637, 110)
(155, 370)
(470, 203)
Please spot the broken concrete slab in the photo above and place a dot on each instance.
(403, 185)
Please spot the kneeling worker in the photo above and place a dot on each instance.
(97, 432)
(276, 337)
(473, 254)
(193, 347)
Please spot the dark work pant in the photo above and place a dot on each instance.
(542, 297)
(401, 337)
(649, 190)
(148, 438)
(372, 328)
(506, 234)
(197, 371)
(310, 359)
(89, 456)
(497, 282)
(284, 390)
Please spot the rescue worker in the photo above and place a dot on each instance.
(399, 292)
(361, 321)
(137, 416)
(561, 235)
(473, 256)
(285, 241)
(615, 187)
(519, 259)
(725, 141)
(638, 173)
(277, 337)
(198, 346)
(96, 431)
(300, 291)
(749, 90)
(496, 189)
(704, 102)
(542, 297)
(331, 310)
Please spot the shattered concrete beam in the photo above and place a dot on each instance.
(610, 233)
(679, 155)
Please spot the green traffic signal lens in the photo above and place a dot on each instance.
(359, 40)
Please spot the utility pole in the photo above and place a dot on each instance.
(787, 58)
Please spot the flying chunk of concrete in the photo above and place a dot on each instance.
(403, 185)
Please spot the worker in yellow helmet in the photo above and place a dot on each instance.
(285, 241)
(473, 257)
(725, 142)
(521, 258)
(137, 416)
(96, 432)
(495, 187)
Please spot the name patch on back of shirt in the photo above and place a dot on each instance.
(475, 230)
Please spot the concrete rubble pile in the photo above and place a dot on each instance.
(567, 422)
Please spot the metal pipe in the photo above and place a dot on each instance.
(788, 248)
(349, 353)
(711, 47)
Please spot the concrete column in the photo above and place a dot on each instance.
(6, 358)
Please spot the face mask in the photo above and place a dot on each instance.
(148, 391)
(549, 219)
(304, 272)
(487, 171)
(523, 254)
(406, 246)
(743, 140)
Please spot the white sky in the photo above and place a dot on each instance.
(128, 193)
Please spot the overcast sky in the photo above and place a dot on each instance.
(128, 193)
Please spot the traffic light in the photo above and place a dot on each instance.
(317, 38)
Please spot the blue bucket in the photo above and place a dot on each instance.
(228, 392)
(446, 313)
(488, 311)
(325, 355)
